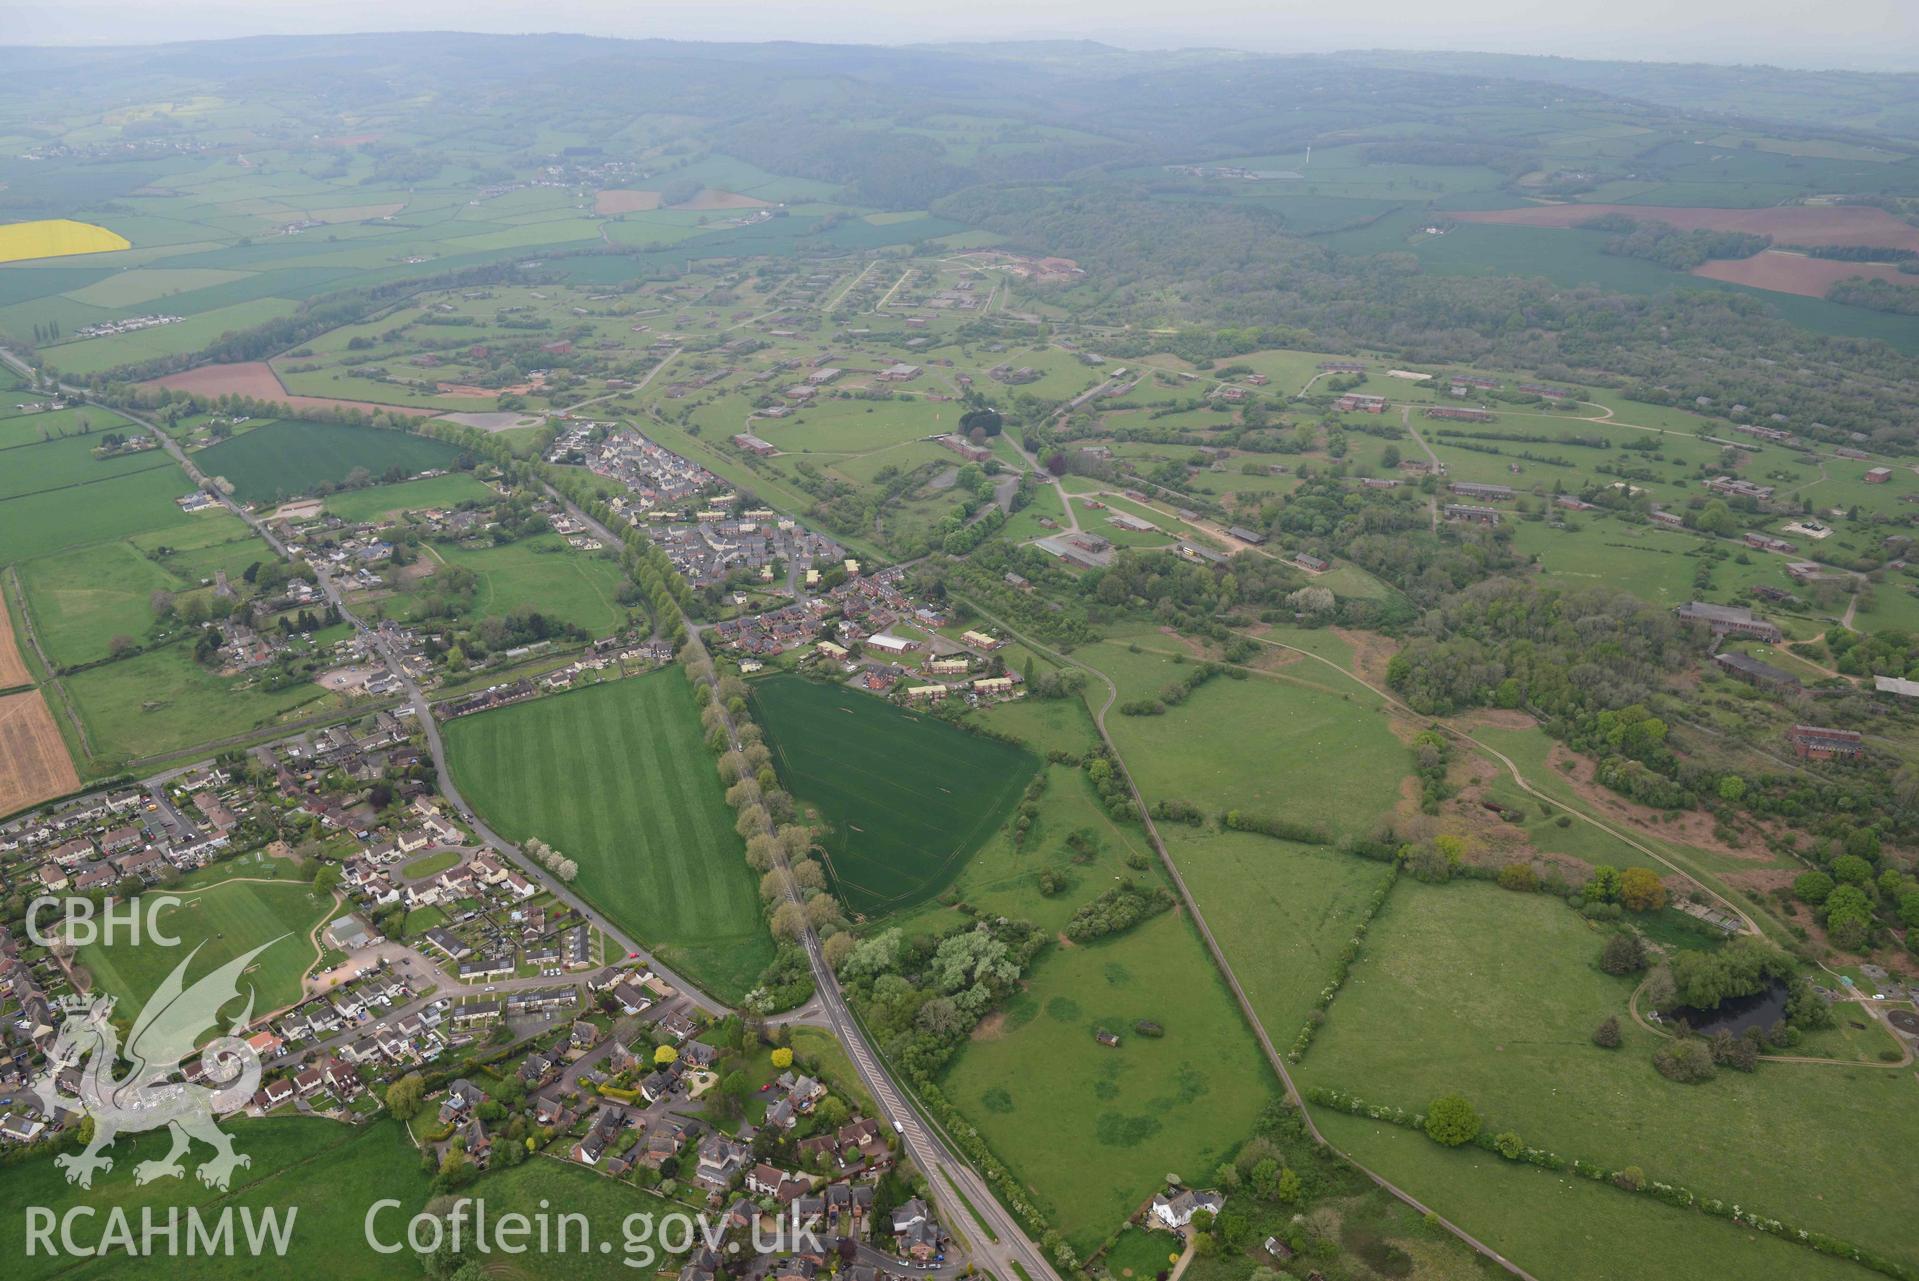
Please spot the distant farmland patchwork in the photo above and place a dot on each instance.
(617, 777)
(906, 798)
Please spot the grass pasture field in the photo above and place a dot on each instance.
(545, 574)
(618, 778)
(1438, 1002)
(97, 355)
(162, 701)
(33, 524)
(383, 502)
(906, 800)
(34, 765)
(223, 919)
(296, 1162)
(1288, 745)
(68, 464)
(284, 459)
(257, 379)
(82, 599)
(1091, 1130)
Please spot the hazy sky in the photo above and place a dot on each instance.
(1875, 34)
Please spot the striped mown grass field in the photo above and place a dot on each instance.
(617, 777)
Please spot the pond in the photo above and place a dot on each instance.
(1735, 1014)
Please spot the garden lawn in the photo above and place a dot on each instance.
(287, 458)
(906, 799)
(1093, 1131)
(617, 777)
(221, 920)
(1495, 995)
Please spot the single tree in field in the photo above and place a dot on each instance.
(1452, 1121)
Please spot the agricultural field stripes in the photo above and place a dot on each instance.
(283, 459)
(617, 778)
(906, 798)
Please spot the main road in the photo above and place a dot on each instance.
(961, 1194)
(966, 1203)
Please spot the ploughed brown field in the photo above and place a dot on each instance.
(13, 669)
(256, 379)
(1787, 225)
(1789, 273)
(34, 765)
(616, 200)
(714, 198)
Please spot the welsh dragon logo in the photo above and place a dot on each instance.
(149, 1096)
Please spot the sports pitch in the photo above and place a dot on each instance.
(226, 919)
(907, 800)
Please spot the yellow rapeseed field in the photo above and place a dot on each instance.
(56, 238)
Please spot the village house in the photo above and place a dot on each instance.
(1174, 1210)
(916, 1235)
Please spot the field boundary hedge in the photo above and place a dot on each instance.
(1343, 966)
(1629, 1179)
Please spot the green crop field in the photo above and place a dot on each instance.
(300, 1168)
(906, 799)
(35, 524)
(223, 919)
(1438, 1002)
(283, 459)
(618, 778)
(1095, 1129)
